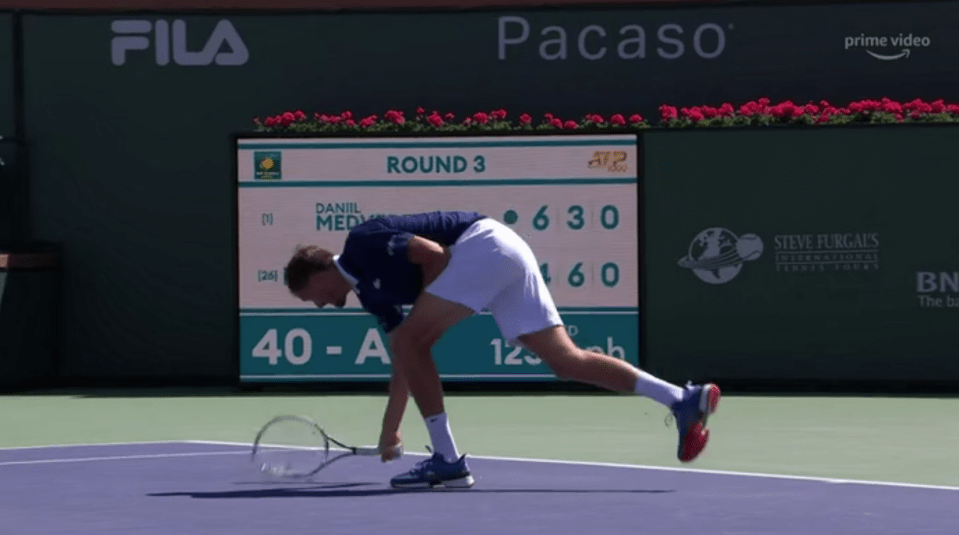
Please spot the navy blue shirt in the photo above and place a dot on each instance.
(375, 254)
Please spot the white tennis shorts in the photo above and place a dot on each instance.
(491, 267)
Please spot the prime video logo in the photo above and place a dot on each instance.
(876, 45)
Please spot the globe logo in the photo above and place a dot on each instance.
(716, 255)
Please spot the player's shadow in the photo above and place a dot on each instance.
(350, 490)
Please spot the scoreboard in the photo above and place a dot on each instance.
(574, 199)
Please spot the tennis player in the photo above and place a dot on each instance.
(451, 265)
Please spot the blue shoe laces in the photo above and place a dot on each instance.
(671, 417)
(418, 467)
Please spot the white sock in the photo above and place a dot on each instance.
(441, 436)
(657, 389)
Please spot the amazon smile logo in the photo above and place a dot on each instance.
(887, 47)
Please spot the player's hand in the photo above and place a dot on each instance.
(390, 446)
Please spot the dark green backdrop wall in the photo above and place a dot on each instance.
(9, 194)
(131, 168)
(821, 254)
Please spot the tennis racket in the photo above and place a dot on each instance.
(296, 447)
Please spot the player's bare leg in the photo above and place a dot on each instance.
(568, 361)
(412, 344)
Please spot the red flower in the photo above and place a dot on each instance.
(498, 115)
(570, 125)
(394, 117)
(668, 112)
(350, 122)
(449, 116)
(525, 119)
(891, 107)
(811, 109)
(435, 120)
(823, 118)
(420, 111)
(727, 110)
(694, 114)
(596, 118)
(856, 107)
(938, 106)
(635, 118)
(556, 122)
(709, 112)
(786, 110)
(347, 115)
(617, 120)
(548, 116)
(750, 108)
(481, 117)
(270, 121)
(368, 122)
(952, 108)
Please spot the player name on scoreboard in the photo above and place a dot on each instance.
(573, 198)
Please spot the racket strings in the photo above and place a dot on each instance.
(291, 448)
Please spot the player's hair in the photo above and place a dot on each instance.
(307, 260)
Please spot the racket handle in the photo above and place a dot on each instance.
(375, 451)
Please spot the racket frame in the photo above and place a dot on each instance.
(327, 440)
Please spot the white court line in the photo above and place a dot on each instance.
(121, 458)
(487, 457)
(97, 445)
(667, 469)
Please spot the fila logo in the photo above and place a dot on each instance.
(223, 47)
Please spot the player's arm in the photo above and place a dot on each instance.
(399, 394)
(429, 255)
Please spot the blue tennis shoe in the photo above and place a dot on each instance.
(435, 472)
(691, 413)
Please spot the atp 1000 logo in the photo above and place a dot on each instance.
(613, 161)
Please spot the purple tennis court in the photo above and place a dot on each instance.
(194, 487)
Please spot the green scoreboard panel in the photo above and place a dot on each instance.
(572, 197)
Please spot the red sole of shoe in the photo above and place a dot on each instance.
(713, 394)
(698, 435)
(695, 443)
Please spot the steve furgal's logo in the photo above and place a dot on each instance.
(716, 255)
(887, 47)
